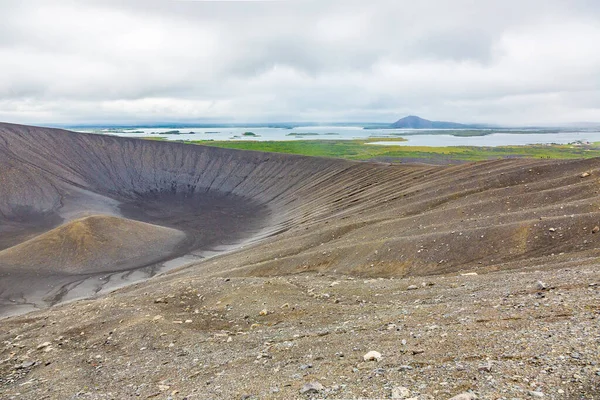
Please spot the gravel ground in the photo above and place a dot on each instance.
(502, 335)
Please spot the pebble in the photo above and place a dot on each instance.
(25, 364)
(464, 396)
(43, 345)
(536, 394)
(596, 229)
(487, 367)
(400, 392)
(412, 287)
(540, 285)
(585, 175)
(263, 312)
(312, 387)
(372, 356)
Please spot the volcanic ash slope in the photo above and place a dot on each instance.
(92, 244)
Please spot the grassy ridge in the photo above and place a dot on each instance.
(361, 150)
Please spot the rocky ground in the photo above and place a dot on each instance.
(500, 335)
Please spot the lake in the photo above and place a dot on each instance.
(437, 138)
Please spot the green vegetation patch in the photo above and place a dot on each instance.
(362, 150)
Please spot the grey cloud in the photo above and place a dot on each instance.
(463, 60)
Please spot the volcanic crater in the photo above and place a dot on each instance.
(83, 213)
(313, 261)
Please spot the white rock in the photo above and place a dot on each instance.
(372, 356)
(313, 387)
(464, 396)
(540, 285)
(400, 392)
(412, 287)
(45, 344)
(538, 395)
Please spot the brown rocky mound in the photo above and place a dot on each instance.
(96, 243)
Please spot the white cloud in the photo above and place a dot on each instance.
(472, 61)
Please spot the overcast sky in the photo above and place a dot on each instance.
(495, 61)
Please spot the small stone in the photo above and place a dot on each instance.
(552, 229)
(286, 305)
(540, 285)
(487, 367)
(25, 364)
(469, 274)
(160, 300)
(263, 312)
(464, 396)
(312, 387)
(596, 229)
(585, 174)
(536, 394)
(158, 317)
(43, 345)
(412, 287)
(372, 356)
(400, 392)
(162, 388)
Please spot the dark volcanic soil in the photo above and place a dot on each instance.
(51, 177)
(339, 258)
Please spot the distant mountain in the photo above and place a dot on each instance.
(414, 122)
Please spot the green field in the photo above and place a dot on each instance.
(362, 150)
